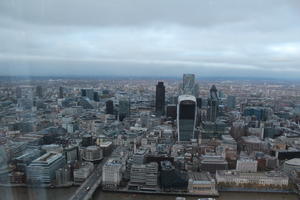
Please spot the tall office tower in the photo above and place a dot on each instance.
(213, 103)
(186, 117)
(196, 91)
(199, 102)
(231, 101)
(109, 107)
(199, 106)
(124, 108)
(61, 93)
(189, 87)
(188, 83)
(18, 92)
(39, 91)
(90, 93)
(83, 92)
(160, 99)
(96, 97)
(221, 94)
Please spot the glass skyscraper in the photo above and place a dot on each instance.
(160, 99)
(186, 117)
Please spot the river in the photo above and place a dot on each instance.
(65, 193)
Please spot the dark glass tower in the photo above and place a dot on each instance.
(213, 103)
(109, 107)
(18, 92)
(124, 108)
(186, 117)
(39, 91)
(96, 97)
(160, 98)
(83, 92)
(231, 101)
(61, 92)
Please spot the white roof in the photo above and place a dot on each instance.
(186, 97)
(294, 161)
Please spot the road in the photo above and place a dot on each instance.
(92, 182)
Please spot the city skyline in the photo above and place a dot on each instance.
(147, 136)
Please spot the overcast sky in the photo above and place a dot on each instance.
(258, 38)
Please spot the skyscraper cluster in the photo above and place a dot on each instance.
(231, 134)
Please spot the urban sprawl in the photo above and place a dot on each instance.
(181, 137)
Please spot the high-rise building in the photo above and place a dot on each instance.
(186, 117)
(188, 83)
(160, 99)
(90, 93)
(96, 97)
(18, 92)
(109, 107)
(83, 92)
(39, 91)
(260, 113)
(61, 93)
(196, 90)
(199, 102)
(124, 108)
(71, 153)
(87, 92)
(189, 87)
(213, 103)
(231, 101)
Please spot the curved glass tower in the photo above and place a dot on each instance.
(186, 117)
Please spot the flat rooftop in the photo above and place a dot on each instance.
(48, 158)
(199, 176)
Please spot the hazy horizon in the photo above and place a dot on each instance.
(117, 77)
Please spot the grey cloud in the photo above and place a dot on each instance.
(137, 37)
(132, 12)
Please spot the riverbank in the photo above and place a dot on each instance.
(161, 193)
(101, 195)
(23, 193)
(47, 186)
(186, 194)
(251, 190)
